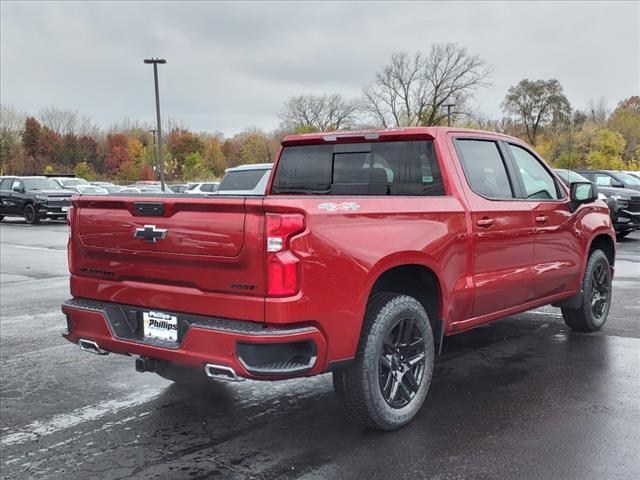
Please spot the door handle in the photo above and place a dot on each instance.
(542, 219)
(485, 222)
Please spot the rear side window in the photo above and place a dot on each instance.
(206, 187)
(5, 184)
(381, 168)
(484, 168)
(240, 180)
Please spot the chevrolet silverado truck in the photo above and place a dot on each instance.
(34, 198)
(366, 251)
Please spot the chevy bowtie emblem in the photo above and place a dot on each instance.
(150, 233)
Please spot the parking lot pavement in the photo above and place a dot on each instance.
(521, 398)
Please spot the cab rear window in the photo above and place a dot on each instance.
(379, 168)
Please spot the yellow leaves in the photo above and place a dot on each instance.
(136, 151)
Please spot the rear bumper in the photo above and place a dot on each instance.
(251, 349)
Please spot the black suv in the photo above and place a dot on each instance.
(33, 198)
(624, 203)
(611, 178)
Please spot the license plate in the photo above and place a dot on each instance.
(160, 325)
(64, 209)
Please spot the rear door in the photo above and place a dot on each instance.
(503, 230)
(558, 250)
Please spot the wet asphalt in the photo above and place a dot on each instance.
(522, 398)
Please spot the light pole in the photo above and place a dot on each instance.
(449, 105)
(155, 153)
(155, 62)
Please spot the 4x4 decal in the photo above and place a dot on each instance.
(339, 207)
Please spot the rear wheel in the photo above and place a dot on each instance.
(387, 383)
(596, 296)
(31, 214)
(1, 217)
(623, 233)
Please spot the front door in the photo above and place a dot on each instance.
(503, 230)
(558, 254)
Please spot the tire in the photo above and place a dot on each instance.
(1, 217)
(31, 214)
(366, 388)
(181, 375)
(596, 296)
(623, 234)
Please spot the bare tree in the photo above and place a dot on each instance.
(11, 121)
(318, 112)
(414, 89)
(598, 110)
(536, 104)
(58, 120)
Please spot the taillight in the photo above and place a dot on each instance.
(283, 267)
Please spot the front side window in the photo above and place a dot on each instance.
(604, 180)
(17, 185)
(484, 168)
(379, 168)
(538, 182)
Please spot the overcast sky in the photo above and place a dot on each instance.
(232, 65)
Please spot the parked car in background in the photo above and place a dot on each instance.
(203, 187)
(368, 249)
(34, 198)
(88, 190)
(624, 203)
(178, 187)
(145, 189)
(102, 184)
(611, 178)
(249, 179)
(65, 182)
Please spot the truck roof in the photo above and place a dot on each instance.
(378, 134)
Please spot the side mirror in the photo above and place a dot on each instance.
(582, 192)
(617, 184)
(18, 189)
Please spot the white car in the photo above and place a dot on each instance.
(87, 189)
(65, 182)
(203, 187)
(245, 180)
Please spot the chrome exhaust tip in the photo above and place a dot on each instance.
(91, 347)
(222, 372)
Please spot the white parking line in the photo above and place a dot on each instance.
(42, 249)
(64, 421)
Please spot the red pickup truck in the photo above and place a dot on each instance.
(367, 249)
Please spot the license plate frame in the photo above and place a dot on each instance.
(159, 326)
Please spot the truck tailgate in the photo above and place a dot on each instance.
(213, 245)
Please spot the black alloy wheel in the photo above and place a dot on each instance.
(600, 291)
(402, 363)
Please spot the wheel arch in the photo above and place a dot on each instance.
(417, 278)
(604, 242)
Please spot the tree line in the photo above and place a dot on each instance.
(420, 89)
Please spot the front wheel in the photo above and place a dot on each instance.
(596, 296)
(387, 383)
(31, 214)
